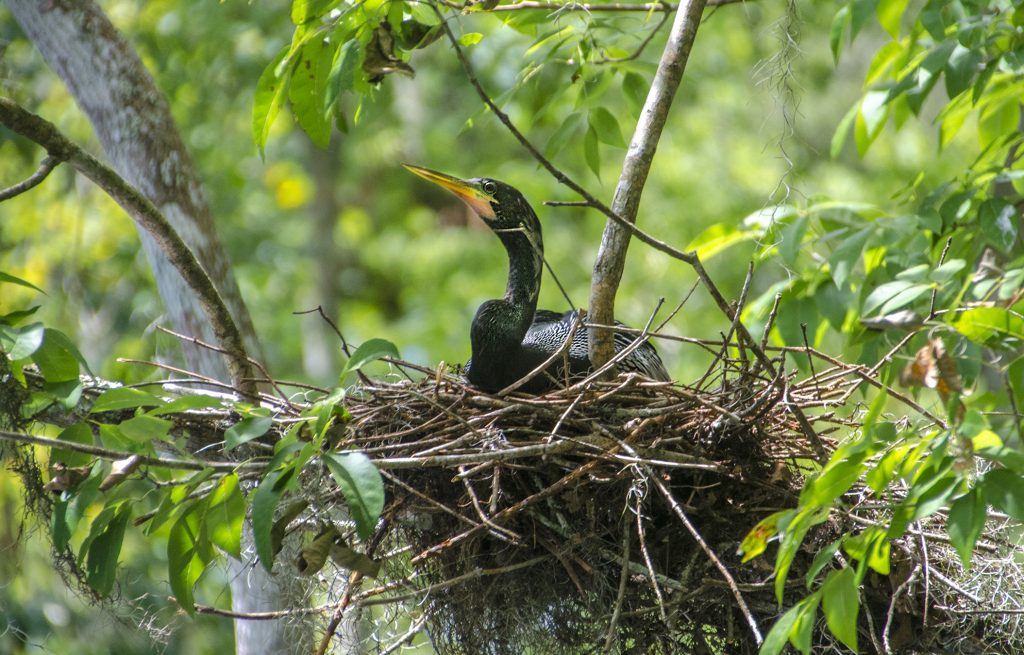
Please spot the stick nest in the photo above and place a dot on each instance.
(606, 517)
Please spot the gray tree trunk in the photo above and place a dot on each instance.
(133, 123)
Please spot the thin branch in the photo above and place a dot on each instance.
(611, 256)
(114, 455)
(678, 510)
(149, 218)
(48, 164)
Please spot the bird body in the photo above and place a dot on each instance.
(510, 337)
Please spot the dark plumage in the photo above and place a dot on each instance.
(510, 337)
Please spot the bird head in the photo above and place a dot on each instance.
(500, 205)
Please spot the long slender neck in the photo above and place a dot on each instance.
(499, 326)
(525, 266)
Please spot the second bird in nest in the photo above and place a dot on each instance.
(510, 337)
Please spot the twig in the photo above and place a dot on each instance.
(892, 607)
(108, 453)
(149, 218)
(531, 5)
(678, 510)
(45, 167)
(643, 45)
(609, 639)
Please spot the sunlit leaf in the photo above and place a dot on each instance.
(271, 90)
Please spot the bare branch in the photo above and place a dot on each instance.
(611, 257)
(48, 164)
(149, 218)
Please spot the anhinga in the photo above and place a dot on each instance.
(510, 337)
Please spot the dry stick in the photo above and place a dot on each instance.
(209, 346)
(107, 453)
(611, 257)
(670, 499)
(149, 218)
(609, 639)
(45, 167)
(647, 560)
(892, 608)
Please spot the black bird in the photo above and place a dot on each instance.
(511, 337)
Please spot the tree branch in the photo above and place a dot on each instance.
(48, 164)
(148, 218)
(611, 257)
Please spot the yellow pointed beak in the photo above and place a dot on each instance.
(470, 193)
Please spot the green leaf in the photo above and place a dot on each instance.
(997, 121)
(839, 24)
(792, 239)
(777, 637)
(635, 88)
(980, 324)
(271, 90)
(11, 279)
(26, 340)
(716, 239)
(60, 531)
(846, 256)
(470, 38)
(860, 11)
(184, 566)
(842, 130)
(821, 560)
(889, 14)
(835, 479)
(264, 502)
(307, 92)
(792, 536)
(1004, 489)
(998, 223)
(186, 403)
(369, 351)
(75, 433)
(563, 134)
(591, 153)
(305, 11)
(124, 398)
(893, 295)
(343, 71)
(802, 634)
(246, 430)
(225, 515)
(145, 429)
(966, 520)
(841, 605)
(57, 358)
(362, 486)
(961, 69)
(606, 127)
(101, 560)
(874, 109)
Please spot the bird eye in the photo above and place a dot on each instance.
(490, 187)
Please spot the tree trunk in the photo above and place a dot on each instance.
(134, 125)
